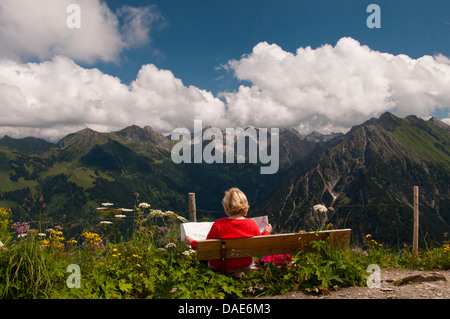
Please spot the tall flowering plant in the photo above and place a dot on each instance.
(21, 229)
(5, 230)
(318, 217)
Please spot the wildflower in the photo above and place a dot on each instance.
(171, 214)
(114, 255)
(446, 248)
(114, 249)
(157, 213)
(188, 252)
(170, 245)
(45, 242)
(105, 222)
(125, 209)
(144, 205)
(181, 219)
(368, 236)
(107, 204)
(137, 265)
(359, 250)
(320, 208)
(42, 234)
(1, 244)
(21, 228)
(137, 256)
(278, 260)
(120, 216)
(92, 240)
(72, 242)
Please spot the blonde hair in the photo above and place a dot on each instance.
(235, 202)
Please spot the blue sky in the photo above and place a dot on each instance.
(308, 64)
(197, 36)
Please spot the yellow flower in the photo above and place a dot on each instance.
(114, 249)
(138, 265)
(368, 236)
(45, 242)
(114, 255)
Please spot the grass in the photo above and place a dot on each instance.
(151, 262)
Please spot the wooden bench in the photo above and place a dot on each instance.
(258, 246)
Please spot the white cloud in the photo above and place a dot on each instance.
(38, 29)
(138, 23)
(327, 89)
(333, 88)
(54, 98)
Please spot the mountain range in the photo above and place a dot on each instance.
(365, 177)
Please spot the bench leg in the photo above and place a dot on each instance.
(223, 252)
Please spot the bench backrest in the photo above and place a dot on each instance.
(212, 249)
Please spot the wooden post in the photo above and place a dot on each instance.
(416, 222)
(192, 208)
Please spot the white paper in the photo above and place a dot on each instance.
(199, 231)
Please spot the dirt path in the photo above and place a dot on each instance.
(417, 285)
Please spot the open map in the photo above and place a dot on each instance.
(199, 231)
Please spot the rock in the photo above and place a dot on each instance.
(421, 278)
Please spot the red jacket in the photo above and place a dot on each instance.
(227, 228)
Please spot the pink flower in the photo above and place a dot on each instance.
(278, 260)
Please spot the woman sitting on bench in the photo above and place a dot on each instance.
(234, 226)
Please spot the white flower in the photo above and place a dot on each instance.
(170, 245)
(125, 209)
(22, 235)
(320, 208)
(188, 252)
(120, 216)
(1, 244)
(105, 222)
(157, 213)
(101, 208)
(42, 235)
(144, 205)
(107, 204)
(181, 219)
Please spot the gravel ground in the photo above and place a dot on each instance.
(436, 285)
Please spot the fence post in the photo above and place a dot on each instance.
(416, 222)
(192, 208)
